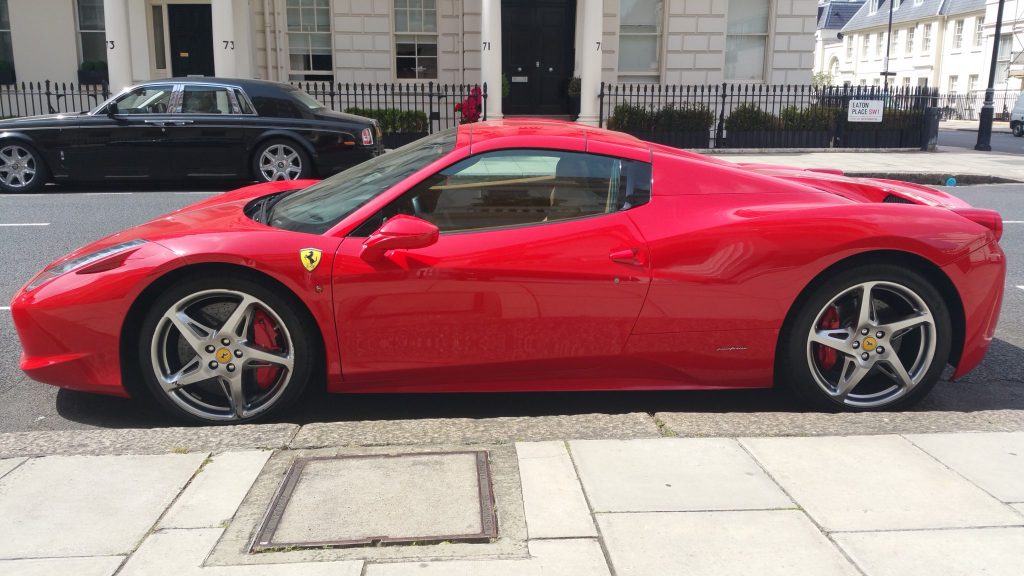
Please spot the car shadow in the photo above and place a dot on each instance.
(995, 385)
(143, 186)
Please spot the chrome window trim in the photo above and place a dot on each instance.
(232, 90)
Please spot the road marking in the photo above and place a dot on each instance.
(1013, 221)
(1021, 287)
(5, 307)
(107, 193)
(10, 225)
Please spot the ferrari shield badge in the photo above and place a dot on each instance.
(310, 258)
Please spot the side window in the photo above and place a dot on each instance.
(205, 100)
(521, 187)
(145, 100)
(243, 103)
(274, 107)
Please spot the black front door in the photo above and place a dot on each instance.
(191, 31)
(537, 54)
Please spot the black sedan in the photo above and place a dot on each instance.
(187, 128)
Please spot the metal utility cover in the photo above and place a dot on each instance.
(381, 499)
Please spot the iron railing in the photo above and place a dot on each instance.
(967, 105)
(34, 98)
(405, 111)
(764, 116)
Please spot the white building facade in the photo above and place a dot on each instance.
(538, 45)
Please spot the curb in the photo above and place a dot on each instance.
(935, 178)
(729, 151)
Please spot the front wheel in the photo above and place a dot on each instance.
(1018, 129)
(280, 159)
(224, 349)
(21, 168)
(871, 338)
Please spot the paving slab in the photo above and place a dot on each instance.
(673, 474)
(988, 551)
(743, 424)
(216, 491)
(569, 557)
(505, 430)
(875, 483)
(993, 461)
(408, 497)
(552, 495)
(99, 506)
(181, 553)
(1018, 508)
(765, 543)
(9, 464)
(147, 441)
(92, 566)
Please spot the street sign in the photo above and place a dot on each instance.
(865, 111)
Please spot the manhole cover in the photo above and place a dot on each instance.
(381, 499)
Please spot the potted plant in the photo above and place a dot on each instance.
(574, 97)
(898, 129)
(6, 72)
(748, 126)
(92, 72)
(399, 127)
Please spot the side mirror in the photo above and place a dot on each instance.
(399, 232)
(112, 109)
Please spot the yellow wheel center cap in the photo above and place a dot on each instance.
(223, 355)
(870, 343)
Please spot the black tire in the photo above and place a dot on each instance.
(1018, 129)
(797, 357)
(158, 335)
(21, 156)
(294, 152)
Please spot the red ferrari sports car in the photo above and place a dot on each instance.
(527, 255)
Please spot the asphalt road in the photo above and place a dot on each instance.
(73, 218)
(1001, 141)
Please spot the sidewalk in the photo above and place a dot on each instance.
(972, 125)
(932, 168)
(623, 495)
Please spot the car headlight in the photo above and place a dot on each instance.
(81, 262)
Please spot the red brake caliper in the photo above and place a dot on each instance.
(827, 357)
(265, 336)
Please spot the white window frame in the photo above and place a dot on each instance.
(659, 71)
(329, 33)
(908, 42)
(878, 45)
(7, 31)
(865, 46)
(926, 38)
(958, 34)
(849, 48)
(413, 37)
(79, 31)
(979, 31)
(952, 83)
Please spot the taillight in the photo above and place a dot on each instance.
(988, 218)
(367, 137)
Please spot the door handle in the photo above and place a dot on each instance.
(627, 256)
(156, 122)
(183, 122)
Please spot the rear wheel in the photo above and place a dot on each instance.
(21, 168)
(1018, 129)
(871, 338)
(281, 159)
(223, 349)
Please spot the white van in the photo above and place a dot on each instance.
(1017, 117)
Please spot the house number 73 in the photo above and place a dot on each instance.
(229, 44)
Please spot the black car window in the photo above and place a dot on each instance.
(243, 103)
(205, 100)
(276, 106)
(318, 208)
(145, 100)
(521, 187)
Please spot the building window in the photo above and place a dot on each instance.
(91, 35)
(876, 82)
(6, 52)
(864, 46)
(849, 47)
(415, 39)
(953, 81)
(872, 7)
(972, 83)
(922, 82)
(1003, 58)
(878, 45)
(909, 46)
(906, 81)
(309, 40)
(958, 34)
(896, 4)
(640, 40)
(979, 30)
(926, 38)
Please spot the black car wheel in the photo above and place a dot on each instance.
(870, 338)
(21, 168)
(281, 160)
(1018, 129)
(223, 349)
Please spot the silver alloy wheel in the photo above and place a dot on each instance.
(871, 344)
(212, 372)
(17, 166)
(280, 162)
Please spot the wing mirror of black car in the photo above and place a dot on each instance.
(112, 109)
(399, 232)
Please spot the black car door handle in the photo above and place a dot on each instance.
(156, 122)
(183, 122)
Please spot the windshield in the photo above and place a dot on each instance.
(318, 208)
(305, 99)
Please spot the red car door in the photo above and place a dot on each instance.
(538, 272)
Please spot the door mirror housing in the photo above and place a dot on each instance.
(111, 109)
(399, 232)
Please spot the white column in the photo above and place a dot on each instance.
(490, 55)
(590, 61)
(119, 58)
(225, 45)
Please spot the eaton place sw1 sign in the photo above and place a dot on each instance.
(865, 111)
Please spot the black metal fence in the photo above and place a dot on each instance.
(764, 116)
(33, 98)
(406, 111)
(967, 105)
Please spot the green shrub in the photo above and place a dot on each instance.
(631, 118)
(685, 119)
(810, 119)
(393, 120)
(750, 118)
(93, 66)
(574, 87)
